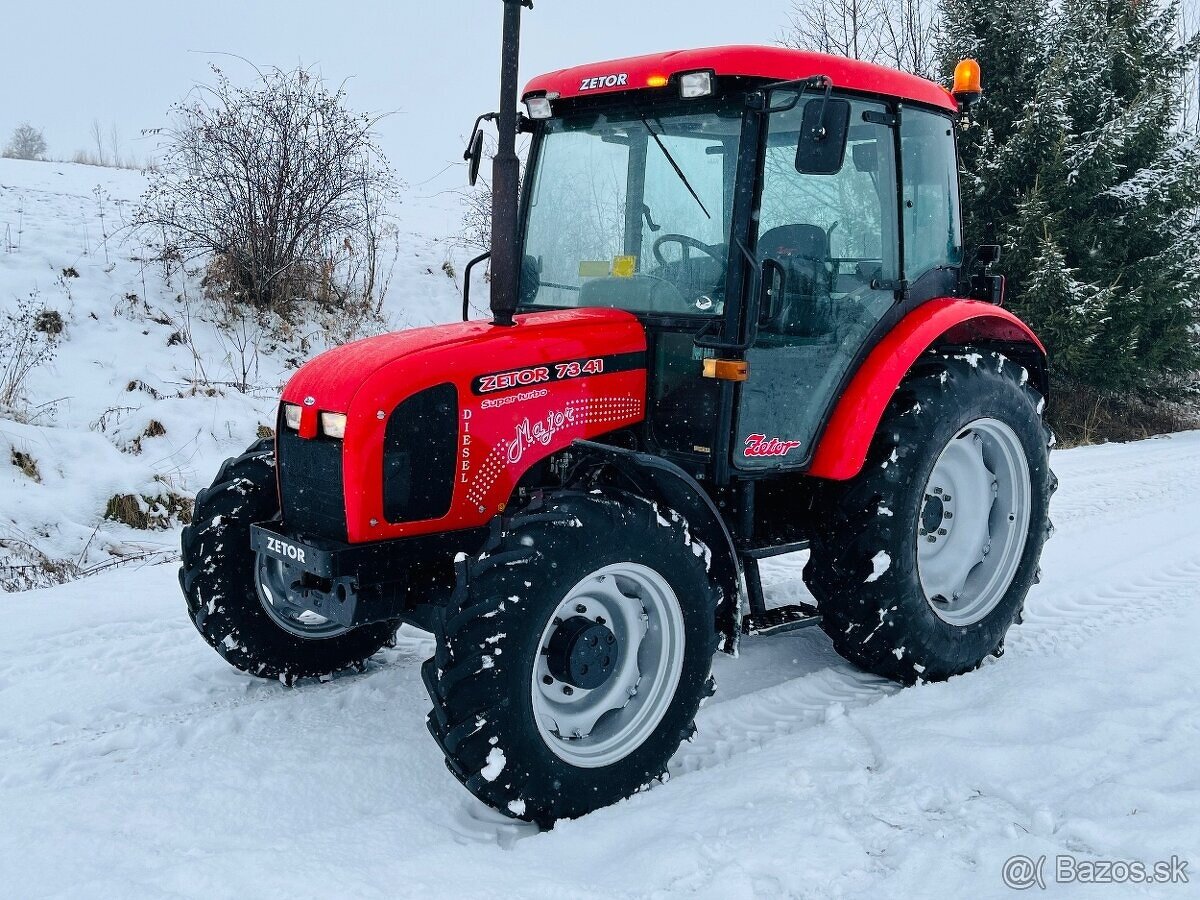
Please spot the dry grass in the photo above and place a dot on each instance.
(149, 513)
(1082, 415)
(27, 464)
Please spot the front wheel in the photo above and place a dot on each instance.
(922, 562)
(239, 600)
(574, 655)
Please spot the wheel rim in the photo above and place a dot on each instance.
(974, 521)
(273, 578)
(596, 726)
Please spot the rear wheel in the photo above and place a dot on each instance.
(239, 600)
(923, 561)
(574, 656)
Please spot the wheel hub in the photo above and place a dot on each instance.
(583, 653)
(277, 583)
(610, 661)
(934, 513)
(972, 525)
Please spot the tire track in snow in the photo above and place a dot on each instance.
(1055, 622)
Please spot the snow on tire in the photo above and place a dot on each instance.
(574, 655)
(220, 580)
(922, 562)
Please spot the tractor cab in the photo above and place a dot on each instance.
(767, 214)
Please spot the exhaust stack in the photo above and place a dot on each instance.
(506, 173)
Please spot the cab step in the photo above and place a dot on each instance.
(781, 619)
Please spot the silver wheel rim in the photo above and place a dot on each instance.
(272, 578)
(598, 727)
(974, 521)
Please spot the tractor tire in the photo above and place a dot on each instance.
(587, 613)
(922, 562)
(220, 577)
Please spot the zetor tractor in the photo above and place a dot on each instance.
(731, 318)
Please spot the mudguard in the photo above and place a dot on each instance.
(670, 485)
(842, 450)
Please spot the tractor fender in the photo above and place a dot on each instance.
(843, 446)
(664, 482)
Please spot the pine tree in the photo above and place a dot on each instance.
(1079, 165)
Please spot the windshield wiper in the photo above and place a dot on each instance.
(674, 165)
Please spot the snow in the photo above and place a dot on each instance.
(126, 407)
(880, 563)
(494, 766)
(135, 763)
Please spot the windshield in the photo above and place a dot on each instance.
(630, 208)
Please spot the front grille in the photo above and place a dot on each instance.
(310, 485)
(419, 455)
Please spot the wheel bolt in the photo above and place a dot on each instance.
(580, 608)
(949, 515)
(937, 490)
(599, 620)
(932, 539)
(546, 679)
(568, 690)
(941, 531)
(946, 498)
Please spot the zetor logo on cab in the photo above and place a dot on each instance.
(604, 81)
(761, 445)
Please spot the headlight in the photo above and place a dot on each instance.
(291, 416)
(695, 84)
(539, 107)
(333, 424)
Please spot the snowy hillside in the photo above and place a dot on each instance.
(134, 763)
(138, 403)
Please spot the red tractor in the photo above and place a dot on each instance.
(732, 319)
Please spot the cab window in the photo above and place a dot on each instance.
(932, 230)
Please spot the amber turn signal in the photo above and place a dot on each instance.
(727, 369)
(967, 85)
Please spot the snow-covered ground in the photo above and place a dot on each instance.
(138, 399)
(134, 762)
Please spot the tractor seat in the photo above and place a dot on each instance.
(803, 251)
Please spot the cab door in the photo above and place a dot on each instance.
(828, 241)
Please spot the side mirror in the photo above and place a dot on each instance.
(824, 127)
(474, 156)
(474, 152)
(987, 254)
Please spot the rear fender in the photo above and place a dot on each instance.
(666, 483)
(842, 450)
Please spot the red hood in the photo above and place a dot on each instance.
(333, 378)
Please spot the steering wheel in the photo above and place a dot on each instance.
(716, 251)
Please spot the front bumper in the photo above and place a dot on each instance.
(357, 584)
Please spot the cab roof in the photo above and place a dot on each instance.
(772, 63)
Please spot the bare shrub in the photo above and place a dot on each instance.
(26, 142)
(29, 335)
(280, 185)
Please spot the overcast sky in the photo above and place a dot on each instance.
(436, 64)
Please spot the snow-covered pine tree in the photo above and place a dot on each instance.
(1079, 164)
